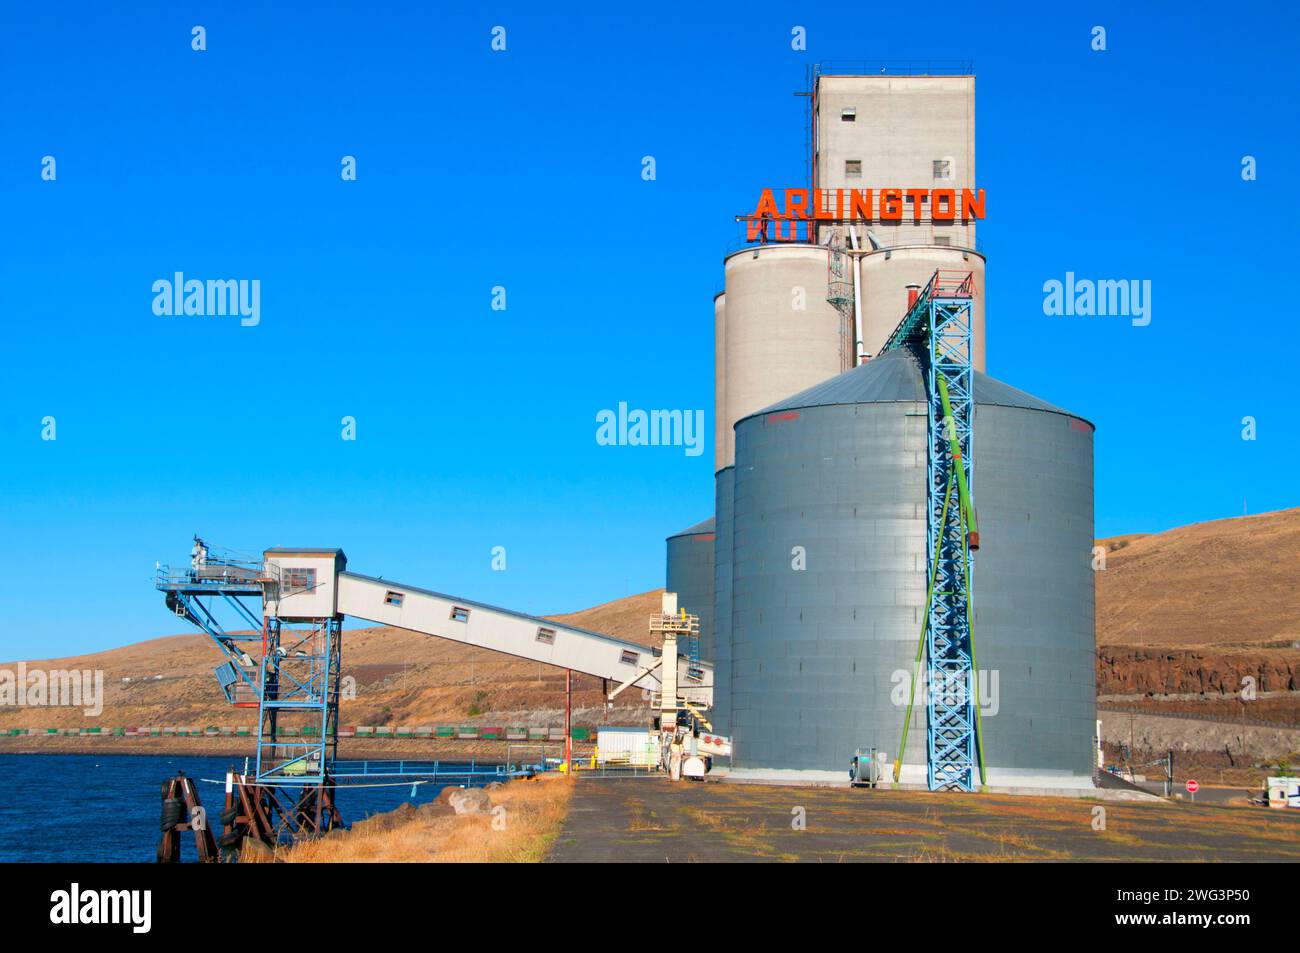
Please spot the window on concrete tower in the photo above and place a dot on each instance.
(852, 166)
(943, 169)
(849, 114)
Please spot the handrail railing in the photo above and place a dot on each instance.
(895, 68)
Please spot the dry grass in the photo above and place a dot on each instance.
(1206, 584)
(523, 833)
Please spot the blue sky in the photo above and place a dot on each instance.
(476, 168)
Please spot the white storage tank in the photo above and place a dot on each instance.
(721, 420)
(780, 334)
(886, 273)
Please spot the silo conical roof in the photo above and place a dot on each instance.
(896, 376)
(704, 526)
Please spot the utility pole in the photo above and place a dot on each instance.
(568, 722)
(1131, 776)
(1243, 728)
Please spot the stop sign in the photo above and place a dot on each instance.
(1193, 787)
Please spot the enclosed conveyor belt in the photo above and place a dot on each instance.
(540, 640)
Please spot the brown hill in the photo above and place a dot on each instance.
(1185, 616)
(1226, 583)
(626, 618)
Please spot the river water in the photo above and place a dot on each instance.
(105, 807)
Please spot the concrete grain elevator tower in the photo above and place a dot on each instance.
(818, 581)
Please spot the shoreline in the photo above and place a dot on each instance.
(349, 749)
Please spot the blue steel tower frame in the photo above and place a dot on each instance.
(299, 679)
(937, 331)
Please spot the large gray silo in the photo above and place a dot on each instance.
(833, 480)
(724, 483)
(690, 575)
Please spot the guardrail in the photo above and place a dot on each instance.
(894, 68)
(433, 770)
(380, 733)
(1192, 716)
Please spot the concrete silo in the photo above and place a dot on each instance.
(780, 333)
(721, 419)
(775, 334)
(885, 275)
(829, 578)
(690, 575)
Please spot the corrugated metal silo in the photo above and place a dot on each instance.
(690, 575)
(724, 484)
(821, 656)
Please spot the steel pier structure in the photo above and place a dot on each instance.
(287, 663)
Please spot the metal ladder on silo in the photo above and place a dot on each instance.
(839, 289)
(937, 331)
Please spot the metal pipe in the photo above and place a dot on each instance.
(856, 263)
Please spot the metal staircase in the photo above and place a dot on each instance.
(194, 594)
(839, 289)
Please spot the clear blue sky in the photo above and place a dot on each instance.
(476, 427)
